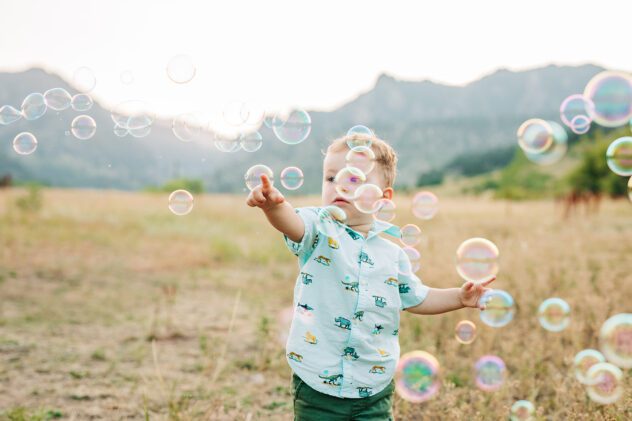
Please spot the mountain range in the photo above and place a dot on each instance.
(428, 123)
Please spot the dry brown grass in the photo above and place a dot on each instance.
(112, 308)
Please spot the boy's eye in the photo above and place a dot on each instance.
(330, 179)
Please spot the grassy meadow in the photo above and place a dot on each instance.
(113, 308)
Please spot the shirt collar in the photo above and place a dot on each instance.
(385, 227)
(379, 227)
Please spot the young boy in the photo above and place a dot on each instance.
(343, 346)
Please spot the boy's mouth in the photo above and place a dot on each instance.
(339, 201)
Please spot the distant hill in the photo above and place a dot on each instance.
(429, 124)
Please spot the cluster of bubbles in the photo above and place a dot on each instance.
(35, 106)
(601, 372)
(132, 117)
(291, 177)
(477, 261)
(606, 101)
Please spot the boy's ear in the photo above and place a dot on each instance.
(388, 193)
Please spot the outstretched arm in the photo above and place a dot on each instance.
(280, 213)
(443, 300)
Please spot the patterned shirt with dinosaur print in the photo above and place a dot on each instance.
(343, 340)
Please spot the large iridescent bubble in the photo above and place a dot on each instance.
(417, 376)
(611, 94)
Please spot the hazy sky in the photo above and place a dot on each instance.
(315, 54)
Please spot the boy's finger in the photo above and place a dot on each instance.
(468, 285)
(489, 281)
(265, 184)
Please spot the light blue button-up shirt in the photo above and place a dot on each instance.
(343, 340)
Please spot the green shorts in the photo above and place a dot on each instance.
(311, 405)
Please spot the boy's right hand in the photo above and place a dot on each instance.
(265, 196)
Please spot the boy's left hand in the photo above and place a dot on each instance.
(471, 293)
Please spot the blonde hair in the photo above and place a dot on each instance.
(385, 155)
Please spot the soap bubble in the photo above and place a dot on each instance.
(615, 340)
(605, 383)
(347, 182)
(292, 178)
(24, 143)
(33, 106)
(367, 197)
(245, 114)
(9, 114)
(412, 264)
(84, 80)
(499, 308)
(360, 130)
(490, 373)
(611, 94)
(83, 127)
(425, 205)
(557, 150)
(235, 113)
(132, 114)
(535, 135)
(138, 132)
(57, 99)
(251, 142)
(186, 127)
(331, 221)
(225, 142)
(580, 124)
(411, 235)
(386, 210)
(583, 361)
(362, 158)
(181, 69)
(356, 140)
(120, 131)
(254, 112)
(554, 314)
(254, 173)
(477, 259)
(270, 121)
(465, 332)
(81, 102)
(417, 376)
(522, 411)
(619, 156)
(292, 128)
(180, 202)
(576, 106)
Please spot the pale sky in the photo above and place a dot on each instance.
(315, 55)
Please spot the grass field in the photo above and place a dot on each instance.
(113, 308)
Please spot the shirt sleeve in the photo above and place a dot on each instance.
(412, 291)
(304, 248)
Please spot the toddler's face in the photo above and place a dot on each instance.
(334, 162)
